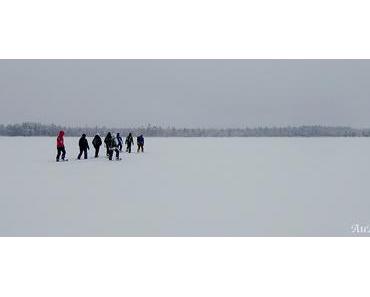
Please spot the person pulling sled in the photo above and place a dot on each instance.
(60, 147)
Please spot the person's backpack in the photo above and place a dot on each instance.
(96, 142)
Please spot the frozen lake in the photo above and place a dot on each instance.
(187, 187)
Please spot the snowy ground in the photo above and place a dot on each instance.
(187, 187)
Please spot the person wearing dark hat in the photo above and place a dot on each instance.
(84, 146)
(140, 143)
(107, 141)
(112, 146)
(129, 142)
(97, 142)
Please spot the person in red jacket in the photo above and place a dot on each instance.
(60, 146)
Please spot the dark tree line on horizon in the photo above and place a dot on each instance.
(37, 129)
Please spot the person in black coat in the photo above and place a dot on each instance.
(107, 141)
(129, 142)
(97, 142)
(84, 146)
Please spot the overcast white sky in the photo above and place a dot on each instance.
(186, 93)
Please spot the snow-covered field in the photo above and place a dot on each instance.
(187, 187)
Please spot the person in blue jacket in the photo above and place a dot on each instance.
(140, 143)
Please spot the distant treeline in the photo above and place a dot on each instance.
(37, 129)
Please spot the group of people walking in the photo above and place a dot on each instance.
(113, 144)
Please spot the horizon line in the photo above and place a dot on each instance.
(149, 125)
